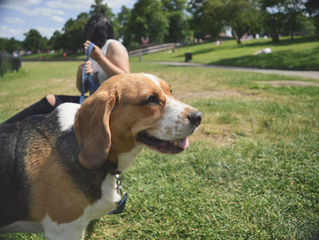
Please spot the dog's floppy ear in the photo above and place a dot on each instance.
(93, 131)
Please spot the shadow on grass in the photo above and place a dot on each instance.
(287, 59)
(282, 42)
(200, 51)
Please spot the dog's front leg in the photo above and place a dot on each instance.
(66, 231)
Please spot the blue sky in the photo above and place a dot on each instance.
(19, 16)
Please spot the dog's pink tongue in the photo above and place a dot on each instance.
(184, 143)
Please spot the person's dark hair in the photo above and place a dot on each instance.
(98, 29)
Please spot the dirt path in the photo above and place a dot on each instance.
(303, 74)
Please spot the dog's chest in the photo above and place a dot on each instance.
(98, 209)
(107, 201)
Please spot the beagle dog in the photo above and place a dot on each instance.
(57, 170)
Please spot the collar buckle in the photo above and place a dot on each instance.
(121, 204)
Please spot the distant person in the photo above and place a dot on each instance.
(108, 58)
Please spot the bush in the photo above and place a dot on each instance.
(8, 63)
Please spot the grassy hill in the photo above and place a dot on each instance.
(297, 54)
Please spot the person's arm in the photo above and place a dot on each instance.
(116, 60)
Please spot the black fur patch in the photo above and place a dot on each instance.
(14, 183)
(88, 181)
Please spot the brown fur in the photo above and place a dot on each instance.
(53, 191)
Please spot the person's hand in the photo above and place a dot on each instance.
(88, 67)
(96, 51)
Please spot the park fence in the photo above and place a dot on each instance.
(8, 63)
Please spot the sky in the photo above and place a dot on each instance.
(19, 16)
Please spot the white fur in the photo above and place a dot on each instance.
(126, 159)
(153, 78)
(174, 125)
(75, 230)
(66, 114)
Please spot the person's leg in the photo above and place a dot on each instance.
(59, 99)
(44, 106)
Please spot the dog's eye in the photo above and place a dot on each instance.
(151, 100)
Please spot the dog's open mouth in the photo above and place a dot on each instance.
(163, 146)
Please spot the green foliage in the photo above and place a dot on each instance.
(312, 7)
(73, 36)
(242, 16)
(178, 22)
(10, 45)
(206, 18)
(146, 20)
(34, 41)
(123, 18)
(280, 14)
(101, 8)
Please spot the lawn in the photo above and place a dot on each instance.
(251, 171)
(298, 54)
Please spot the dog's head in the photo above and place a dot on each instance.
(128, 110)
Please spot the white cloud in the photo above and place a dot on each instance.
(46, 31)
(58, 19)
(7, 32)
(14, 20)
(17, 33)
(120, 3)
(70, 4)
(19, 5)
(85, 5)
(44, 12)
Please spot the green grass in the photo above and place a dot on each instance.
(299, 54)
(55, 55)
(251, 171)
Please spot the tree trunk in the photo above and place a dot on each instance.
(236, 37)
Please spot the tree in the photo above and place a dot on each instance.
(147, 20)
(101, 8)
(74, 33)
(34, 41)
(178, 22)
(241, 16)
(207, 17)
(312, 7)
(10, 45)
(282, 15)
(58, 41)
(123, 18)
(294, 16)
(273, 16)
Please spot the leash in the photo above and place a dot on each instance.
(92, 84)
(117, 174)
(121, 204)
(111, 168)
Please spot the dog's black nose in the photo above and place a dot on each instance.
(195, 118)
